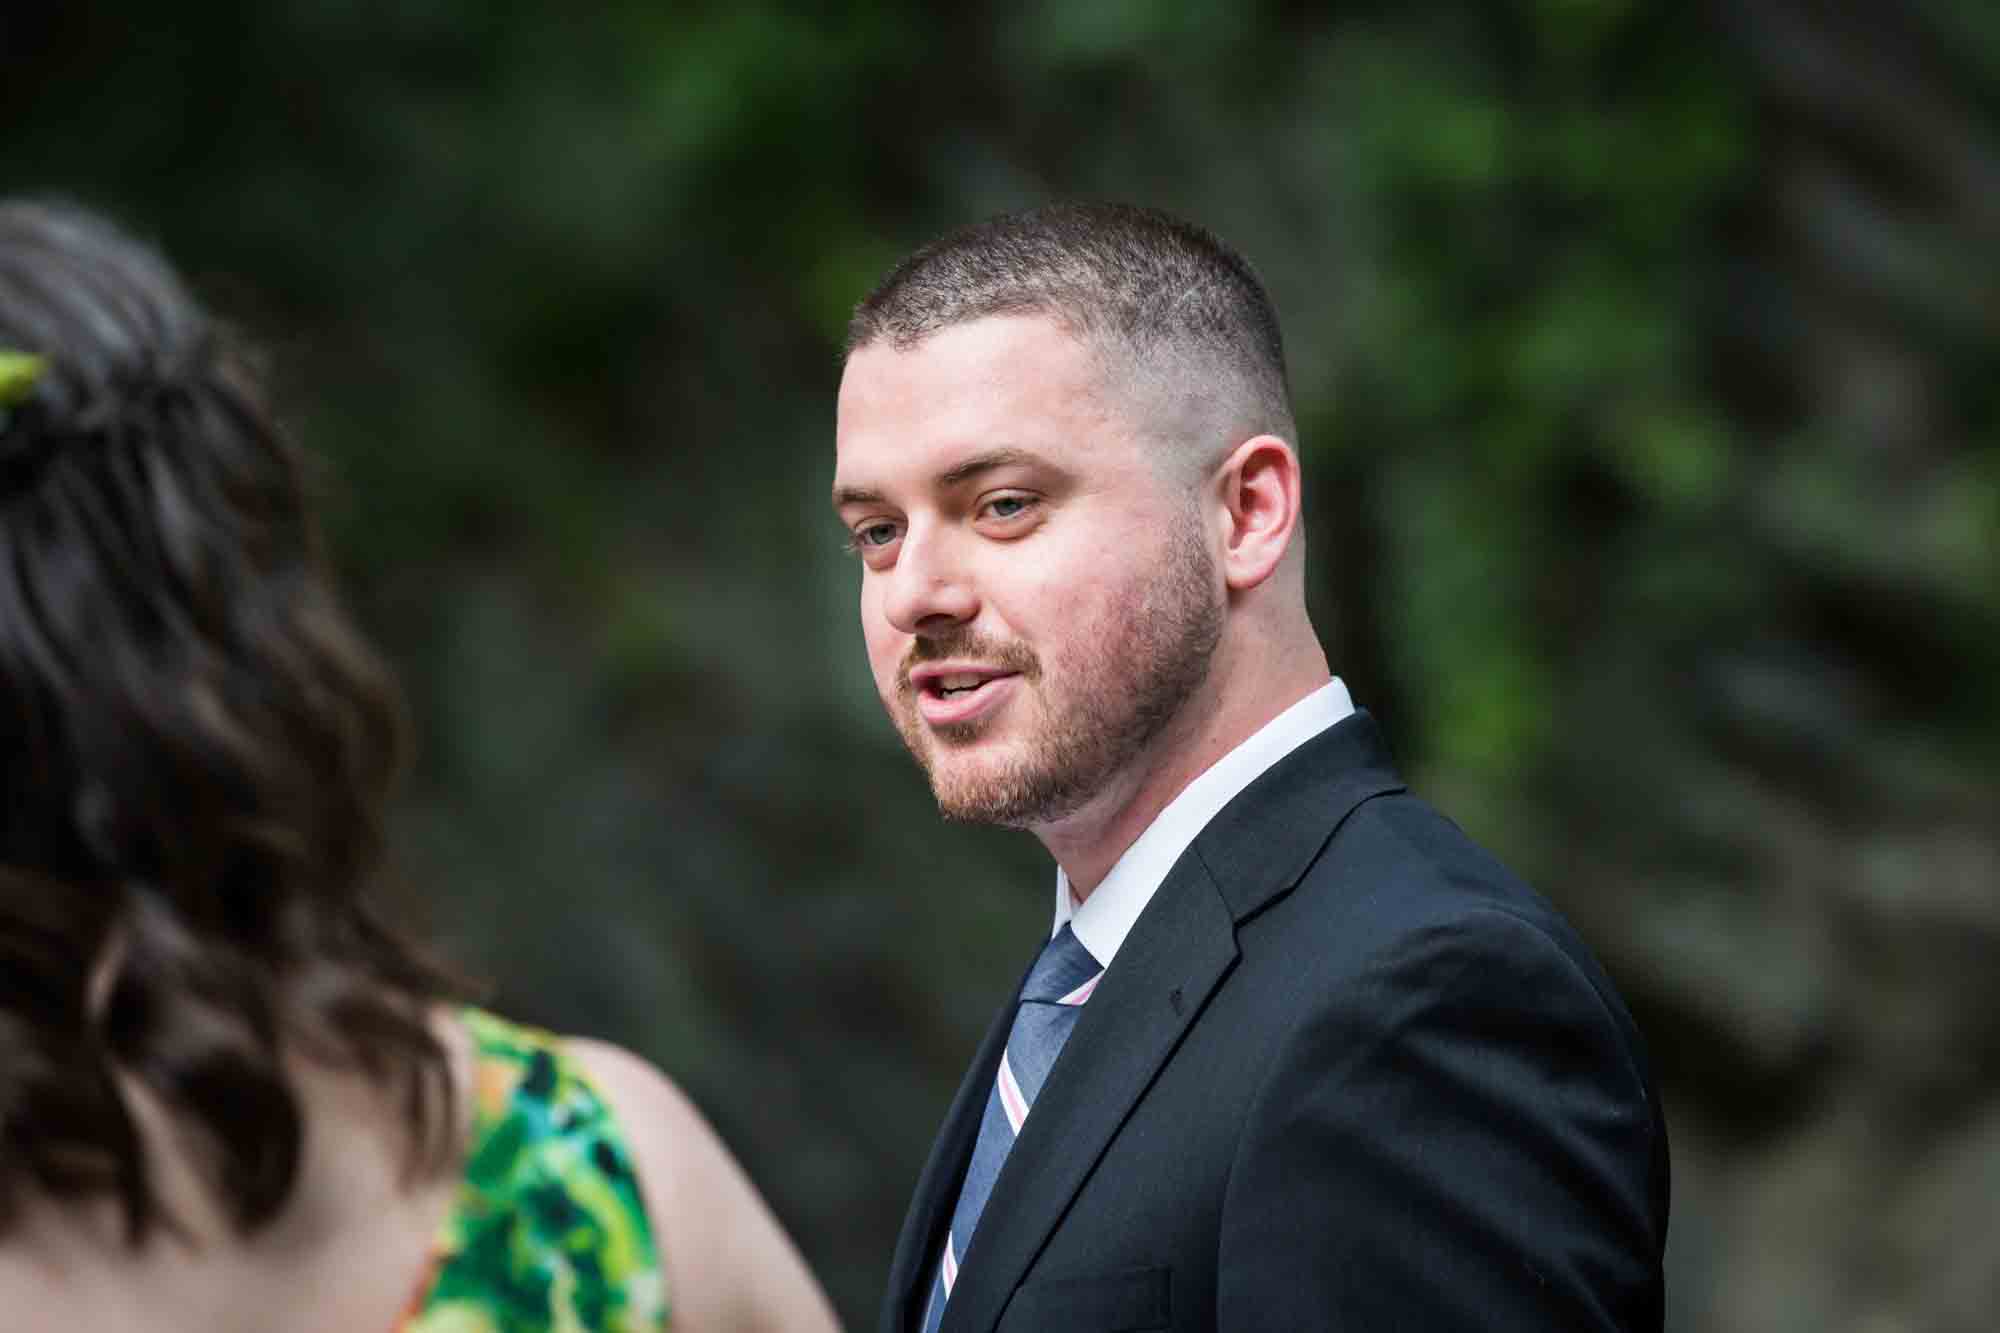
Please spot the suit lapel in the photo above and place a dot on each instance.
(911, 1271)
(1179, 951)
(1180, 948)
(1261, 843)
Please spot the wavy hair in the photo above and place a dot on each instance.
(195, 749)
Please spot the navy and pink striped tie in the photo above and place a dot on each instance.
(1062, 979)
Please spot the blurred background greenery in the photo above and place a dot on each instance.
(1645, 359)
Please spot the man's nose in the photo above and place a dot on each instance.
(929, 590)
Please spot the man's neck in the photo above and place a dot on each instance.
(1088, 843)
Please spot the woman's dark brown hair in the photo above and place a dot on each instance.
(195, 750)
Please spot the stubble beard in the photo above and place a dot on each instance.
(1118, 692)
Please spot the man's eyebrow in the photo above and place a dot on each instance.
(844, 496)
(1005, 456)
(957, 475)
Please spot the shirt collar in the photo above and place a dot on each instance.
(1107, 916)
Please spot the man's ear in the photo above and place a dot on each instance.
(1259, 485)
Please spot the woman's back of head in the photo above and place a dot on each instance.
(195, 750)
(195, 747)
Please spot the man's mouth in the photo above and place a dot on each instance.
(958, 695)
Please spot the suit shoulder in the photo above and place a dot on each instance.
(1401, 885)
(1399, 858)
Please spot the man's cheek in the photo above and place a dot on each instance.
(885, 664)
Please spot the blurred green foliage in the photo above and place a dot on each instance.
(1645, 365)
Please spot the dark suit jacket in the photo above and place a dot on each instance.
(1346, 1072)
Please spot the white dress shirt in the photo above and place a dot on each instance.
(1106, 917)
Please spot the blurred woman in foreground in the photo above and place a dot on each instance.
(230, 1097)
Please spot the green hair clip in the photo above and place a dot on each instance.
(19, 373)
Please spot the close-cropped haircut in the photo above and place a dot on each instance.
(195, 750)
(1173, 313)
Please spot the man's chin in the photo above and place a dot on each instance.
(1009, 795)
(990, 808)
(971, 749)
(970, 789)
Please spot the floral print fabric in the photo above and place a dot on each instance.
(548, 1234)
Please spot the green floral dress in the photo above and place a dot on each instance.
(548, 1234)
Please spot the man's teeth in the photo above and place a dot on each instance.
(958, 684)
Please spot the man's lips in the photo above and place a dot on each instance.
(957, 692)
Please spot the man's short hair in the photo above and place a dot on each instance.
(1178, 318)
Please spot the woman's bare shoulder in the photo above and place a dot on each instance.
(660, 1122)
(729, 1263)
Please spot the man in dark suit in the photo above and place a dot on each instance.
(1297, 1055)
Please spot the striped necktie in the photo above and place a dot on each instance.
(1062, 979)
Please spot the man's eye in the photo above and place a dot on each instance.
(1009, 506)
(871, 535)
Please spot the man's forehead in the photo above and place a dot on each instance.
(961, 380)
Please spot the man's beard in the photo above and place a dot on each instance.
(1124, 683)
